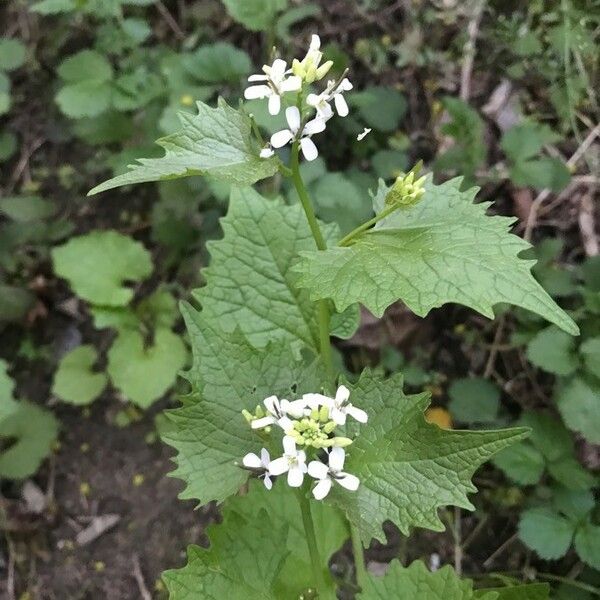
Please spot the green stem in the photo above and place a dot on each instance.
(323, 312)
(345, 241)
(359, 556)
(311, 541)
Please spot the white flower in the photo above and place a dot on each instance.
(293, 461)
(308, 68)
(267, 152)
(278, 411)
(321, 101)
(365, 132)
(281, 138)
(339, 407)
(252, 461)
(276, 84)
(328, 474)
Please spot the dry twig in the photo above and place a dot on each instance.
(139, 578)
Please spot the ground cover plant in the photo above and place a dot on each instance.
(312, 309)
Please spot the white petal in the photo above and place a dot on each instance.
(266, 152)
(315, 42)
(271, 404)
(316, 400)
(360, 415)
(279, 465)
(364, 133)
(257, 91)
(289, 445)
(292, 115)
(313, 99)
(274, 104)
(322, 489)
(278, 68)
(268, 481)
(301, 458)
(264, 422)
(340, 105)
(336, 459)
(295, 476)
(265, 459)
(252, 461)
(349, 481)
(285, 423)
(337, 416)
(296, 408)
(317, 469)
(315, 126)
(291, 84)
(345, 85)
(325, 111)
(258, 77)
(281, 138)
(309, 149)
(342, 394)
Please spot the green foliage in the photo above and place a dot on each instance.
(218, 62)
(216, 142)
(27, 435)
(256, 15)
(26, 208)
(97, 264)
(577, 401)
(554, 351)
(12, 54)
(415, 581)
(142, 370)
(443, 249)
(381, 108)
(75, 381)
(474, 400)
(398, 445)
(7, 405)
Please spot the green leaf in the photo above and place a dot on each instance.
(145, 372)
(249, 283)
(407, 467)
(389, 164)
(228, 375)
(243, 561)
(26, 208)
(444, 249)
(53, 7)
(216, 142)
(575, 505)
(416, 582)
(571, 474)
(27, 434)
(587, 544)
(590, 350)
(526, 140)
(7, 405)
(12, 54)
(84, 66)
(218, 62)
(330, 526)
(8, 145)
(522, 463)
(97, 264)
(546, 532)
(15, 302)
(256, 15)
(578, 404)
(474, 400)
(554, 351)
(541, 173)
(75, 381)
(548, 435)
(382, 108)
(532, 591)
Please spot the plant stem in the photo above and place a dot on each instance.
(359, 556)
(345, 241)
(323, 312)
(311, 541)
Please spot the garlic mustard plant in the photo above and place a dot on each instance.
(266, 401)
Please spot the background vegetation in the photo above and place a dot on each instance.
(504, 93)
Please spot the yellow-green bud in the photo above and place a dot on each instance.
(324, 414)
(298, 68)
(324, 69)
(406, 191)
(314, 414)
(248, 415)
(259, 412)
(329, 427)
(339, 442)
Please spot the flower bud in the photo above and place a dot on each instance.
(324, 69)
(248, 416)
(338, 442)
(406, 191)
(329, 427)
(323, 414)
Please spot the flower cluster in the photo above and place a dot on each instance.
(308, 425)
(308, 114)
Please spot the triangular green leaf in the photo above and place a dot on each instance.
(228, 375)
(30, 432)
(216, 142)
(444, 249)
(330, 526)
(243, 561)
(74, 381)
(144, 373)
(416, 582)
(249, 283)
(407, 467)
(97, 264)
